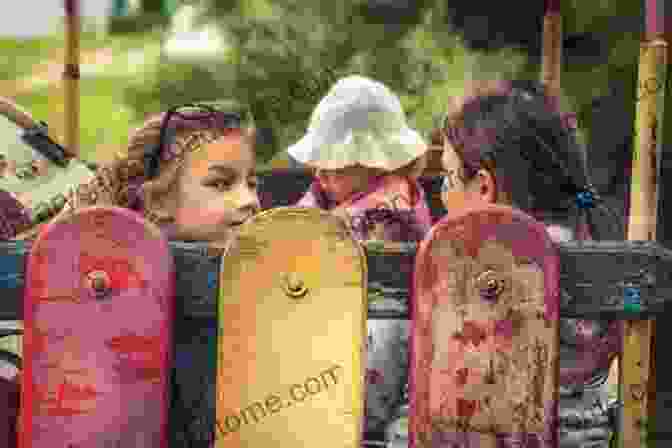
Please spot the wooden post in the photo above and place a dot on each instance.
(71, 76)
(663, 411)
(636, 368)
(551, 58)
(56, 114)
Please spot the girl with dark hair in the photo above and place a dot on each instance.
(506, 144)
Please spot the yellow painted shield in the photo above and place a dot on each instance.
(292, 331)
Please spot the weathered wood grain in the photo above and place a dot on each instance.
(594, 278)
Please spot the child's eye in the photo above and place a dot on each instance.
(222, 185)
(253, 183)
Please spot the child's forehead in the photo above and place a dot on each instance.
(231, 152)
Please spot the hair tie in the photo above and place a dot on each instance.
(586, 197)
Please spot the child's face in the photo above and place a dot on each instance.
(341, 183)
(217, 190)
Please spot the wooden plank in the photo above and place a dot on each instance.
(587, 270)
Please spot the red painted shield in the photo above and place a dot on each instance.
(484, 344)
(97, 344)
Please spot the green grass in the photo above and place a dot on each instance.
(120, 43)
(105, 120)
(19, 56)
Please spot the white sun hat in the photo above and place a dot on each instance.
(359, 121)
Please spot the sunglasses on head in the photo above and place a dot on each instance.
(213, 112)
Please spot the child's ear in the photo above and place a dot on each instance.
(250, 135)
(486, 185)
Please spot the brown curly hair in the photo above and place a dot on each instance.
(123, 182)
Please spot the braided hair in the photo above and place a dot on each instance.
(513, 130)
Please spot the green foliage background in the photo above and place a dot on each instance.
(281, 56)
(284, 55)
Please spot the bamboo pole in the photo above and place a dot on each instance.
(56, 114)
(71, 76)
(551, 58)
(637, 381)
(551, 70)
(664, 236)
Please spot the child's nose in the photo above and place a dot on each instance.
(248, 200)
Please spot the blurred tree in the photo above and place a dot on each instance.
(283, 55)
(152, 6)
(600, 56)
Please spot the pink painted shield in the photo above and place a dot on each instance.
(97, 344)
(484, 342)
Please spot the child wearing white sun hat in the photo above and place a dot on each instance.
(367, 161)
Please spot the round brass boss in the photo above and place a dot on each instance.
(293, 286)
(99, 282)
(490, 285)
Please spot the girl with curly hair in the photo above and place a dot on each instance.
(190, 171)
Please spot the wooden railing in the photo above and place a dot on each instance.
(625, 280)
(599, 280)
